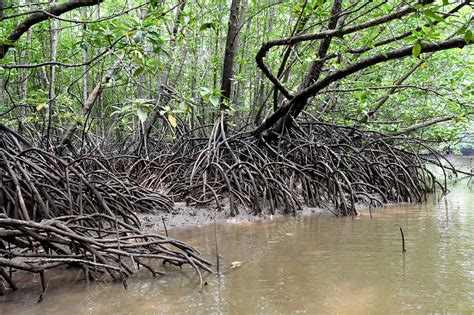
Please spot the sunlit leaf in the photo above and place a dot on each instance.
(459, 117)
(142, 114)
(172, 119)
(416, 50)
(41, 106)
(214, 99)
(468, 36)
(129, 33)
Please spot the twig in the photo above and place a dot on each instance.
(164, 224)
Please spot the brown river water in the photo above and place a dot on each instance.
(312, 264)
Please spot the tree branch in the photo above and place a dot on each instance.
(39, 17)
(424, 124)
(300, 99)
(320, 35)
(87, 107)
(407, 33)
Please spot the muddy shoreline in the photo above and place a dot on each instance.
(183, 217)
(186, 217)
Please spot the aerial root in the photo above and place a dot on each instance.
(83, 212)
(57, 212)
(99, 244)
(317, 165)
(38, 185)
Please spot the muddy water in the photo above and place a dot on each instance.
(305, 265)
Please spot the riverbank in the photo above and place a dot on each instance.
(310, 264)
(183, 216)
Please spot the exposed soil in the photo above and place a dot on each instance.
(183, 216)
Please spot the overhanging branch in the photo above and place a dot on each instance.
(327, 34)
(39, 17)
(299, 101)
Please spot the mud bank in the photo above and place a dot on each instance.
(183, 216)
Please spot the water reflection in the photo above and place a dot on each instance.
(310, 264)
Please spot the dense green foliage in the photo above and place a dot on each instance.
(191, 59)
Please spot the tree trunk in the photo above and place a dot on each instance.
(85, 68)
(24, 78)
(237, 10)
(316, 66)
(89, 103)
(53, 31)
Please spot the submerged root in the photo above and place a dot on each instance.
(103, 246)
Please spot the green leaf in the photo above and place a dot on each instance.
(425, 30)
(461, 31)
(417, 34)
(207, 25)
(468, 36)
(214, 99)
(458, 118)
(204, 91)
(416, 50)
(129, 33)
(142, 114)
(138, 71)
(433, 15)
